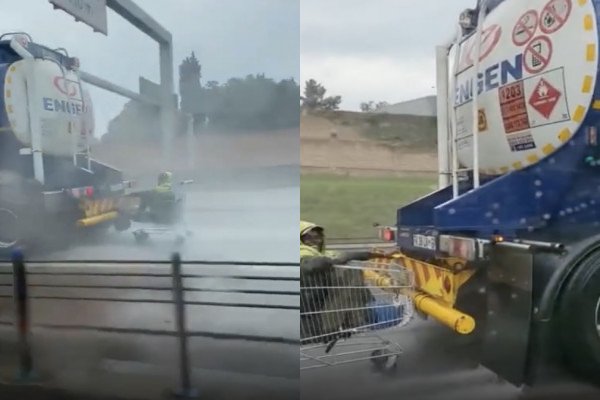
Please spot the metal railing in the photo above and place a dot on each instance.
(22, 272)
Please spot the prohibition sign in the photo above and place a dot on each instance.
(489, 39)
(525, 28)
(554, 15)
(537, 55)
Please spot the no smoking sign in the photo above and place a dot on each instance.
(525, 28)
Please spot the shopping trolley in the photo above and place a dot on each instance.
(165, 218)
(347, 311)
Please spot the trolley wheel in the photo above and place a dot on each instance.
(141, 237)
(384, 363)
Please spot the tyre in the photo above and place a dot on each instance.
(579, 319)
(11, 228)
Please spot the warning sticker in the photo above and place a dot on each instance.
(525, 28)
(464, 127)
(483, 124)
(537, 55)
(546, 98)
(554, 15)
(521, 141)
(513, 107)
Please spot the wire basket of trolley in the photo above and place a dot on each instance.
(347, 308)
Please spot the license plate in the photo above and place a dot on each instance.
(424, 242)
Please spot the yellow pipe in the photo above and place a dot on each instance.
(98, 219)
(445, 314)
(377, 279)
(452, 318)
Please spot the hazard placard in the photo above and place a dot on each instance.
(513, 107)
(537, 55)
(544, 98)
(554, 15)
(525, 28)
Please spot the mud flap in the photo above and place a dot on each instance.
(509, 306)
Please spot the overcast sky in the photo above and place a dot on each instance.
(380, 50)
(231, 38)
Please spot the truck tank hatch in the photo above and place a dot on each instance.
(537, 102)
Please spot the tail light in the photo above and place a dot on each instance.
(387, 234)
(87, 191)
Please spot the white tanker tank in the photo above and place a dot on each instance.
(44, 90)
(535, 83)
(47, 177)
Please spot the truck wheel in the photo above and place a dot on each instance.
(579, 318)
(10, 232)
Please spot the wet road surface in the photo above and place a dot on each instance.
(235, 352)
(433, 366)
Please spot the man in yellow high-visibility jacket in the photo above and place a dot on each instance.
(160, 200)
(313, 253)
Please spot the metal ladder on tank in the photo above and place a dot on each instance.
(456, 169)
(85, 153)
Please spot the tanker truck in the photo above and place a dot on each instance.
(49, 183)
(507, 250)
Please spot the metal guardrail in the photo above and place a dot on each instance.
(21, 271)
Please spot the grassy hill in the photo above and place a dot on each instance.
(408, 131)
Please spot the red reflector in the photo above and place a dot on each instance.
(89, 191)
(447, 284)
(387, 234)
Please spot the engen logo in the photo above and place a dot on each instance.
(494, 76)
(62, 106)
(544, 98)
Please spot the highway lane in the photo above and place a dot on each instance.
(433, 366)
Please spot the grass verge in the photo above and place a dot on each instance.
(348, 206)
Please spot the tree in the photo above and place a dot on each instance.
(367, 106)
(189, 83)
(314, 97)
(331, 103)
(212, 85)
(381, 105)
